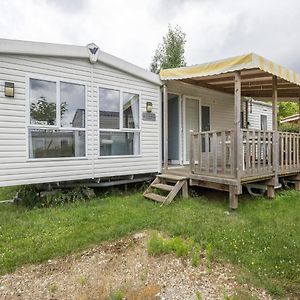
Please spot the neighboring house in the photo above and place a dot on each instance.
(257, 115)
(76, 113)
(294, 119)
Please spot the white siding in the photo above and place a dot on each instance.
(16, 169)
(259, 109)
(221, 104)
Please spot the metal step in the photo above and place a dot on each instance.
(155, 197)
(164, 187)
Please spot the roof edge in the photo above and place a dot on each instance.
(21, 47)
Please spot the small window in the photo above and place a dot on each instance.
(119, 122)
(263, 122)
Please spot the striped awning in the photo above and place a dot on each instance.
(256, 73)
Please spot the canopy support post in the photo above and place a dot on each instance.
(166, 139)
(276, 135)
(238, 144)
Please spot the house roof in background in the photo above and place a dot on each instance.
(71, 51)
(290, 119)
(256, 74)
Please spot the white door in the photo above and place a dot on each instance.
(191, 122)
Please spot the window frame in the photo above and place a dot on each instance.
(121, 129)
(56, 127)
(261, 122)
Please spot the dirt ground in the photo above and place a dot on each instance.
(124, 270)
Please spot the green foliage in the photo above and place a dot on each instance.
(288, 127)
(196, 256)
(170, 54)
(31, 196)
(262, 239)
(8, 193)
(158, 245)
(45, 112)
(199, 295)
(118, 295)
(286, 109)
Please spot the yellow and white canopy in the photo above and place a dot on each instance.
(256, 74)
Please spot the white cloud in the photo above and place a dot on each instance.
(132, 29)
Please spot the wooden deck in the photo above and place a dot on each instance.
(262, 157)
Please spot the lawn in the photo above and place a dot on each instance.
(262, 239)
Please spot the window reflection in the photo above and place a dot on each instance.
(109, 114)
(119, 143)
(52, 143)
(130, 110)
(42, 102)
(72, 102)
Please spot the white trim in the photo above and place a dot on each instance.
(57, 127)
(119, 156)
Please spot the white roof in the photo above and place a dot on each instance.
(59, 50)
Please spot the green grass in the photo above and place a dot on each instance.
(262, 239)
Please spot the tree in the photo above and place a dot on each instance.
(45, 112)
(286, 109)
(170, 54)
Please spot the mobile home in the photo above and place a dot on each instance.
(209, 138)
(74, 113)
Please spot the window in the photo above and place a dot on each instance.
(119, 122)
(263, 122)
(57, 119)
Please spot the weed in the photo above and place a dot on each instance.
(52, 288)
(199, 295)
(196, 256)
(118, 295)
(144, 275)
(82, 280)
(209, 255)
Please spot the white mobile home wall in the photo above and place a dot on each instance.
(16, 168)
(221, 108)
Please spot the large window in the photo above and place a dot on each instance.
(119, 122)
(57, 119)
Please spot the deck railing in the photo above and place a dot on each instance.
(289, 152)
(258, 152)
(214, 152)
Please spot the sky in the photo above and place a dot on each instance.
(132, 29)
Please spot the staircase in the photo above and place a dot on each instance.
(170, 185)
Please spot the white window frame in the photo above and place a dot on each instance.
(185, 99)
(29, 126)
(121, 129)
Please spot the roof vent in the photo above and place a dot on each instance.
(93, 50)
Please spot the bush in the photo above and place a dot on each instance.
(288, 127)
(31, 196)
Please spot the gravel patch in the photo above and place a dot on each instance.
(123, 267)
